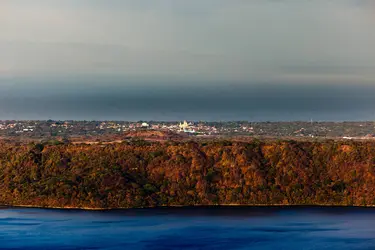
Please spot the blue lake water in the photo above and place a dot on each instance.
(189, 228)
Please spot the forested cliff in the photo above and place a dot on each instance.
(143, 174)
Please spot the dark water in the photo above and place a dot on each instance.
(189, 228)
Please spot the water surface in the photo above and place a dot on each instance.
(189, 228)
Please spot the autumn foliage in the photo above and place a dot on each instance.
(144, 174)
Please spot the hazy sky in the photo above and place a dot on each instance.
(314, 41)
(187, 59)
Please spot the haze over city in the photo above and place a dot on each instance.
(172, 60)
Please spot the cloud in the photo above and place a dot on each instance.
(213, 39)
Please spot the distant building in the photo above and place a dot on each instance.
(186, 127)
(183, 126)
(189, 131)
(145, 125)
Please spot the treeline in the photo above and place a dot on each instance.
(144, 174)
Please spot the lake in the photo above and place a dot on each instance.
(189, 228)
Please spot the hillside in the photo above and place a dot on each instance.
(144, 174)
(155, 135)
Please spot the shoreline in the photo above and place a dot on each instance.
(2, 206)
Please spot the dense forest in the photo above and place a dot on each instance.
(144, 174)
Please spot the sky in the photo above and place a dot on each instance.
(61, 47)
(240, 40)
